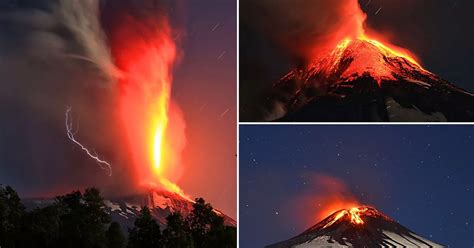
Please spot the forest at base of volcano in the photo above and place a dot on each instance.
(79, 220)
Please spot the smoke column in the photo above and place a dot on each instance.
(68, 53)
(305, 27)
(328, 194)
(82, 18)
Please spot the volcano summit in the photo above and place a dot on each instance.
(356, 227)
(364, 80)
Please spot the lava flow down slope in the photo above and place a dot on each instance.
(161, 203)
(357, 227)
(364, 80)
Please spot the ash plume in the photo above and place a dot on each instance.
(304, 27)
(82, 18)
(39, 43)
(58, 53)
(327, 194)
(285, 34)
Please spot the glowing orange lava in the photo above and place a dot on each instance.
(152, 123)
(354, 215)
(391, 49)
(159, 123)
(355, 29)
(387, 49)
(336, 203)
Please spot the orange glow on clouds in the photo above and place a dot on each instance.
(153, 124)
(329, 196)
(354, 28)
(335, 195)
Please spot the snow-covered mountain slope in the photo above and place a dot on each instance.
(362, 80)
(357, 227)
(125, 210)
(161, 204)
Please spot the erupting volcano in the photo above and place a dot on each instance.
(361, 226)
(153, 124)
(362, 77)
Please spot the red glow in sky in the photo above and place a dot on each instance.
(152, 122)
(353, 27)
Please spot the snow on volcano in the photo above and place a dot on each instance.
(357, 227)
(126, 209)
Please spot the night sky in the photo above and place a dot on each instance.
(439, 33)
(38, 82)
(421, 176)
(205, 89)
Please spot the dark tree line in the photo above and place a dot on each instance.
(80, 220)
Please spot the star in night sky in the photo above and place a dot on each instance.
(421, 176)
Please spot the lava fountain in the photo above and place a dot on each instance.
(152, 123)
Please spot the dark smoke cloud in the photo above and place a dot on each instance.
(82, 18)
(327, 194)
(276, 35)
(304, 27)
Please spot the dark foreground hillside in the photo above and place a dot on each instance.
(81, 219)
